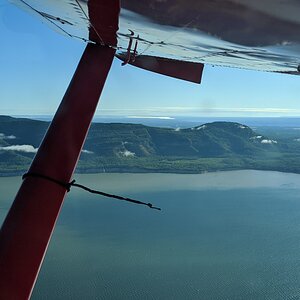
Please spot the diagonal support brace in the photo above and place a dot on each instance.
(27, 229)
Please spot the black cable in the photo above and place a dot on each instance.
(63, 184)
(68, 186)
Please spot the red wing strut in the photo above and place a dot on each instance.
(27, 229)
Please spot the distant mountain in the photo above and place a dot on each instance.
(207, 140)
(123, 147)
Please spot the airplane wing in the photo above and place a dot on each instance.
(171, 37)
(260, 35)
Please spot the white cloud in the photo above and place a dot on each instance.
(256, 137)
(8, 137)
(127, 153)
(268, 142)
(87, 151)
(150, 117)
(20, 148)
(201, 127)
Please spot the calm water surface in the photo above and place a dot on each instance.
(226, 235)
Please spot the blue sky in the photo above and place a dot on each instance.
(38, 63)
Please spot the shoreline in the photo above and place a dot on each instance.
(138, 171)
(159, 182)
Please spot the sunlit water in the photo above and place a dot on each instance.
(227, 235)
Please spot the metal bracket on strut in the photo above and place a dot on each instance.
(130, 57)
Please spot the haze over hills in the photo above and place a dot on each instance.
(122, 147)
(175, 121)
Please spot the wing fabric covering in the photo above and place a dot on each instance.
(258, 35)
(234, 21)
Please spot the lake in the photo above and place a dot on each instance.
(225, 235)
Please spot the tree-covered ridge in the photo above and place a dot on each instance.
(123, 147)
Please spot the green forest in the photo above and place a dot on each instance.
(121, 147)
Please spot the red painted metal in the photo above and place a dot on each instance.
(104, 18)
(26, 232)
(185, 70)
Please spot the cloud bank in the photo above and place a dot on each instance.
(7, 137)
(20, 148)
(171, 111)
(268, 142)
